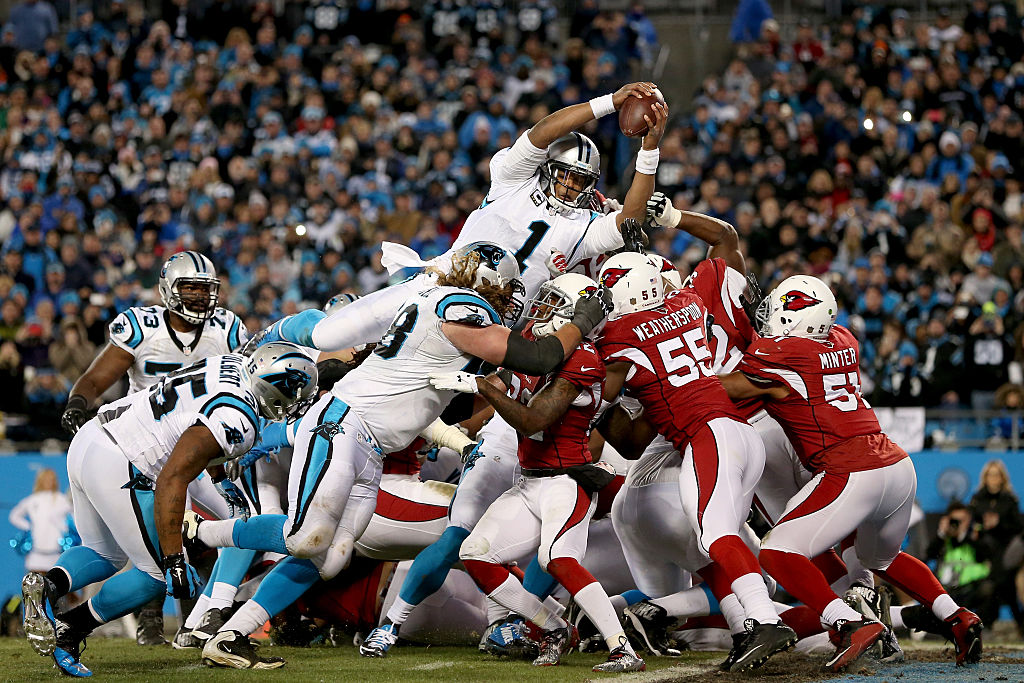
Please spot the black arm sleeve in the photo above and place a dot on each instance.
(460, 408)
(533, 357)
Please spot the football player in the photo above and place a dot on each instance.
(455, 325)
(147, 342)
(263, 477)
(551, 508)
(722, 283)
(655, 347)
(863, 483)
(129, 469)
(539, 200)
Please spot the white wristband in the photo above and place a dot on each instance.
(602, 106)
(647, 161)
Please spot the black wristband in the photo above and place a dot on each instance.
(505, 375)
(533, 357)
(77, 401)
(171, 560)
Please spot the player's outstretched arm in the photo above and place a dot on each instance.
(720, 235)
(635, 204)
(193, 452)
(739, 386)
(568, 119)
(112, 363)
(496, 345)
(545, 408)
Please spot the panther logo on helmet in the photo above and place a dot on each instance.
(794, 300)
(612, 275)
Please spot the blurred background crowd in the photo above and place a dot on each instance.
(881, 150)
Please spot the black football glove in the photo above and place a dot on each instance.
(75, 414)
(181, 578)
(633, 236)
(592, 309)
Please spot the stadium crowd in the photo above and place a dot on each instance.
(884, 151)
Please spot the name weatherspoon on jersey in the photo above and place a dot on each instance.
(673, 321)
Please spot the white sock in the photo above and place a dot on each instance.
(618, 603)
(837, 609)
(595, 604)
(753, 595)
(517, 599)
(222, 595)
(855, 571)
(692, 602)
(247, 619)
(732, 610)
(399, 611)
(553, 605)
(896, 615)
(495, 611)
(943, 607)
(217, 533)
(202, 604)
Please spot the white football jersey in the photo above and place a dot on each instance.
(145, 332)
(530, 229)
(391, 389)
(214, 392)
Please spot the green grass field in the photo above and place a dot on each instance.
(121, 660)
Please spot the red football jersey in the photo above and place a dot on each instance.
(824, 415)
(406, 460)
(567, 442)
(720, 288)
(354, 597)
(671, 374)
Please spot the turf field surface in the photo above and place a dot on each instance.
(122, 660)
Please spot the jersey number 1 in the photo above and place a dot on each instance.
(537, 231)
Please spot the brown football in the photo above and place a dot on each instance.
(631, 115)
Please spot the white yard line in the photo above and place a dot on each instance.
(672, 673)
(431, 666)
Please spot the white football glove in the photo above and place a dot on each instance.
(605, 205)
(464, 382)
(661, 211)
(611, 205)
(557, 263)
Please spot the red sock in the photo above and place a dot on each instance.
(570, 573)
(913, 577)
(716, 580)
(831, 565)
(734, 557)
(713, 621)
(804, 620)
(487, 575)
(799, 577)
